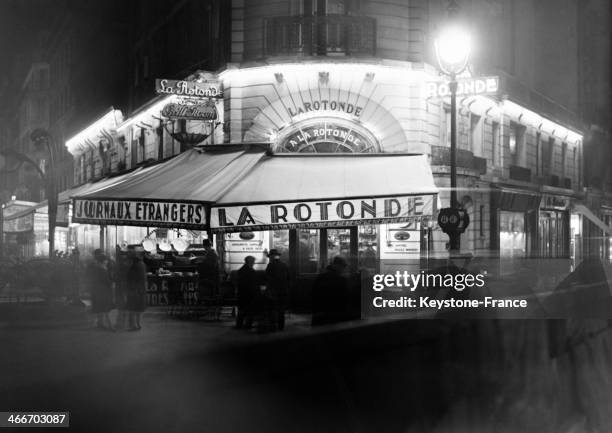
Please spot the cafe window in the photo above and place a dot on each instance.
(308, 256)
(368, 247)
(280, 241)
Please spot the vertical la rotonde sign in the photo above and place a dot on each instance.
(465, 87)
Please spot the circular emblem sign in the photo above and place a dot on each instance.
(328, 136)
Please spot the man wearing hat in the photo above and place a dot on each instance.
(101, 289)
(277, 276)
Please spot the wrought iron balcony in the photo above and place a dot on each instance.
(520, 173)
(440, 155)
(320, 36)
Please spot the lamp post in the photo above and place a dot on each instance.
(452, 51)
(41, 137)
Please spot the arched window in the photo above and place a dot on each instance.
(326, 135)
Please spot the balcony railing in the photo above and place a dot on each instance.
(320, 36)
(440, 155)
(520, 173)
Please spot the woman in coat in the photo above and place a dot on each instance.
(136, 291)
(101, 290)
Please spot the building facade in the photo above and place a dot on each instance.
(357, 76)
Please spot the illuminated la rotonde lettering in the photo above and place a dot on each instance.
(321, 211)
(325, 105)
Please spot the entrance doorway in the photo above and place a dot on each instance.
(312, 250)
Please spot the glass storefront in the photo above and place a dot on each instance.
(512, 234)
(553, 234)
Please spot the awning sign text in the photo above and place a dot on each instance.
(142, 213)
(321, 213)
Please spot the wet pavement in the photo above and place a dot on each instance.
(402, 376)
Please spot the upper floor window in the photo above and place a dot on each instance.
(495, 142)
(547, 154)
(321, 28)
(563, 159)
(516, 144)
(475, 135)
(538, 149)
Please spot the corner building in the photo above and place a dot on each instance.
(312, 81)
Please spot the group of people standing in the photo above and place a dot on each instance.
(121, 286)
(262, 298)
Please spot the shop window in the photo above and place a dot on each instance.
(308, 256)
(338, 243)
(368, 248)
(512, 235)
(280, 241)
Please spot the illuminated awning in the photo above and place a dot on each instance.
(19, 222)
(583, 210)
(174, 194)
(249, 190)
(289, 191)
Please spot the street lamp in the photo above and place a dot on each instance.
(453, 47)
(40, 137)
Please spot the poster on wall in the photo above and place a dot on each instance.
(242, 244)
(400, 241)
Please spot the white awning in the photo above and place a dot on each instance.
(583, 210)
(288, 191)
(249, 190)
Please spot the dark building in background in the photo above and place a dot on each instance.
(174, 39)
(76, 69)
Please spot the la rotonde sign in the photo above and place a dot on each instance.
(191, 89)
(465, 87)
(195, 98)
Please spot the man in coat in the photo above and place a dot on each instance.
(248, 287)
(277, 277)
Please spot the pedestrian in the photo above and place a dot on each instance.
(248, 288)
(277, 278)
(208, 270)
(136, 290)
(120, 277)
(101, 290)
(330, 294)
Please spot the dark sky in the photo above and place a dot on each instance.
(21, 22)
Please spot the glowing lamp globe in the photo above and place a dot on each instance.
(149, 245)
(453, 47)
(180, 245)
